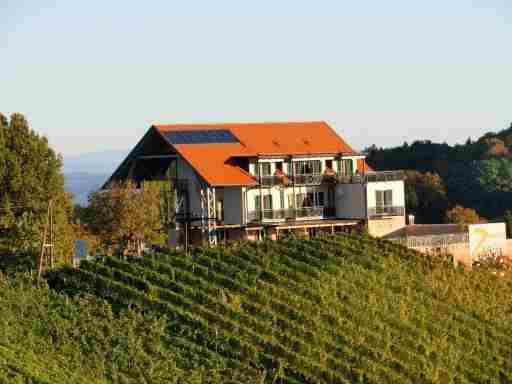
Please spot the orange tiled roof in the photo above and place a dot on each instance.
(256, 139)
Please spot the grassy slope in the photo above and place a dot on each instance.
(338, 309)
(341, 309)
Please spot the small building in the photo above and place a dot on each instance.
(248, 181)
(467, 243)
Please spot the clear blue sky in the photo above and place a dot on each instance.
(93, 75)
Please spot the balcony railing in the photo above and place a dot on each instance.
(289, 214)
(273, 180)
(370, 177)
(386, 211)
(309, 178)
(314, 178)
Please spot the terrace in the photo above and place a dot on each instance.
(318, 178)
(289, 214)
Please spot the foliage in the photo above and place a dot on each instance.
(461, 215)
(495, 174)
(50, 338)
(337, 309)
(30, 175)
(125, 216)
(425, 195)
(477, 174)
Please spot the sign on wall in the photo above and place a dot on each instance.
(487, 240)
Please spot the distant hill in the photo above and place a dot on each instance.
(86, 173)
(95, 162)
(80, 184)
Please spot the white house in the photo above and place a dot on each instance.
(254, 180)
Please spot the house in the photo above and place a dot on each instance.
(254, 180)
(467, 243)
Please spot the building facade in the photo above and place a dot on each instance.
(256, 180)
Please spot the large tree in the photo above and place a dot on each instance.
(30, 176)
(125, 217)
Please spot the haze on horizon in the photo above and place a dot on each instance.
(93, 76)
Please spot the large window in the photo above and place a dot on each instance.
(267, 202)
(265, 169)
(384, 198)
(346, 167)
(310, 199)
(307, 167)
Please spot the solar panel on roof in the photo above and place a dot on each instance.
(201, 136)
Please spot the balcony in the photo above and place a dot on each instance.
(308, 178)
(370, 177)
(386, 211)
(270, 180)
(289, 214)
(316, 179)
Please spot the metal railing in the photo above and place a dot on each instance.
(388, 210)
(309, 178)
(433, 241)
(317, 178)
(370, 177)
(272, 179)
(290, 214)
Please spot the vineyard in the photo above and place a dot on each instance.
(338, 309)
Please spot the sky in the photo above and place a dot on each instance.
(94, 75)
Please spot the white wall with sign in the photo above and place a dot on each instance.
(487, 240)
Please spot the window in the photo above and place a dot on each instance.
(279, 166)
(267, 202)
(265, 169)
(310, 199)
(328, 164)
(384, 198)
(299, 200)
(307, 167)
(347, 167)
(257, 203)
(320, 199)
(290, 201)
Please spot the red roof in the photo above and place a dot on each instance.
(256, 139)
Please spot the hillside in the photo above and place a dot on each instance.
(337, 309)
(81, 184)
(476, 174)
(87, 172)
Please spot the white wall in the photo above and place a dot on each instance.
(396, 186)
(350, 201)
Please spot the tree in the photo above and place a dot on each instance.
(125, 217)
(461, 215)
(495, 175)
(30, 175)
(425, 195)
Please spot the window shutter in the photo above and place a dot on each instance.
(379, 198)
(267, 202)
(388, 198)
